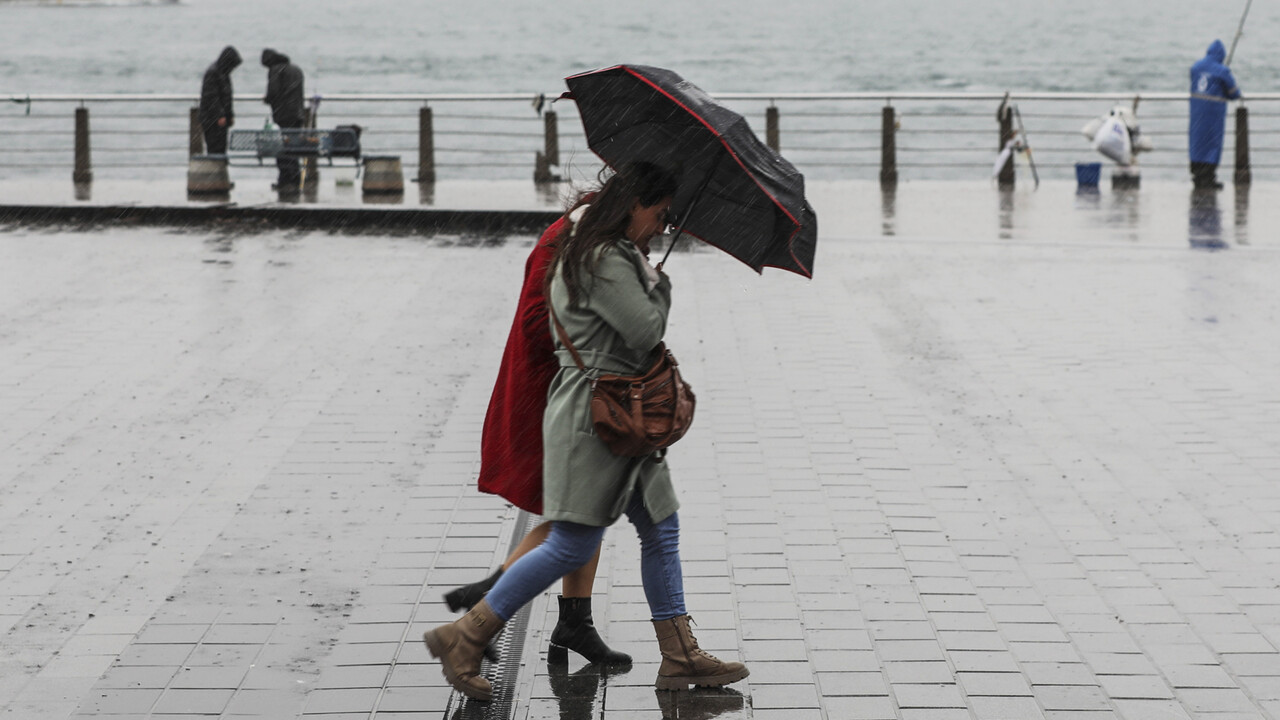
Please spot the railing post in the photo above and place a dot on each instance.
(552, 132)
(195, 144)
(426, 147)
(771, 136)
(1005, 116)
(541, 168)
(310, 165)
(1243, 175)
(83, 172)
(888, 147)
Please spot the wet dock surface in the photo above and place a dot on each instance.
(1025, 467)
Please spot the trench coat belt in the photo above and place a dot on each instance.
(598, 361)
(1211, 98)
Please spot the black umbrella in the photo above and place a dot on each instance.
(735, 192)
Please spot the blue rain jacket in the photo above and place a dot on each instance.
(1211, 86)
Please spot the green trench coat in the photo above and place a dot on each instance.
(616, 327)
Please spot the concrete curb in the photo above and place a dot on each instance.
(274, 216)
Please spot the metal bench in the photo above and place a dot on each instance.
(261, 145)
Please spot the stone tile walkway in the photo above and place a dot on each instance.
(942, 480)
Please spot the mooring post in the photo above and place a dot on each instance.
(888, 146)
(83, 172)
(426, 147)
(310, 165)
(771, 136)
(1243, 175)
(1005, 116)
(541, 168)
(195, 144)
(552, 131)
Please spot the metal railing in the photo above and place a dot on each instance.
(491, 136)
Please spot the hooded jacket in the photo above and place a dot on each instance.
(215, 91)
(284, 90)
(1211, 86)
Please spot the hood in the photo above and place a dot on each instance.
(1217, 51)
(229, 59)
(271, 57)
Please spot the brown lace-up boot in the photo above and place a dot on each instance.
(460, 645)
(685, 664)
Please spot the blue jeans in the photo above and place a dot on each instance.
(570, 546)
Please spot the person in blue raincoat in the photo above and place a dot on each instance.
(1211, 86)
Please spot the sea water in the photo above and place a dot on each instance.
(499, 46)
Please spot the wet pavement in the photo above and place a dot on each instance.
(1006, 456)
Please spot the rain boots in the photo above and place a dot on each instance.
(685, 664)
(576, 631)
(468, 595)
(459, 646)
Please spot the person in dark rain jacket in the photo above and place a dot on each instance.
(288, 109)
(1211, 86)
(216, 112)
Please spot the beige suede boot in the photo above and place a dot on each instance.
(685, 664)
(460, 645)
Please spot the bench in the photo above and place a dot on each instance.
(261, 145)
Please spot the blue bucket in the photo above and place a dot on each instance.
(1088, 174)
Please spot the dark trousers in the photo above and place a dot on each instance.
(215, 139)
(289, 174)
(289, 171)
(1205, 175)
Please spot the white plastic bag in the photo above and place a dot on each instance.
(1091, 128)
(1112, 140)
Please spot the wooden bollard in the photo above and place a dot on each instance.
(552, 132)
(1005, 116)
(426, 147)
(888, 146)
(310, 165)
(771, 133)
(83, 172)
(1243, 174)
(542, 169)
(195, 139)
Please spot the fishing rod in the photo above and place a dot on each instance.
(1026, 145)
(1239, 32)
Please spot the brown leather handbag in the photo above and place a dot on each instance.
(638, 415)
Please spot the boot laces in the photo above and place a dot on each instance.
(696, 646)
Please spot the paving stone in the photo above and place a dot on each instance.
(927, 696)
(1006, 708)
(862, 708)
(193, 702)
(266, 703)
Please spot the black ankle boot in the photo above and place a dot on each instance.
(466, 597)
(575, 631)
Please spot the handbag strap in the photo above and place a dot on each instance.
(564, 338)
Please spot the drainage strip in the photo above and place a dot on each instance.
(510, 647)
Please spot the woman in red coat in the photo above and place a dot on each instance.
(511, 456)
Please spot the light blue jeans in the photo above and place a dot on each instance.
(570, 546)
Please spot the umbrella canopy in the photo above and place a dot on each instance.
(735, 192)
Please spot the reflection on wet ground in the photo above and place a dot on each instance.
(1204, 221)
(581, 693)
(1058, 212)
(956, 211)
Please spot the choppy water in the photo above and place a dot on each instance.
(723, 45)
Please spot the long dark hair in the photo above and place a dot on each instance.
(606, 221)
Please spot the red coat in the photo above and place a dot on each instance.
(511, 443)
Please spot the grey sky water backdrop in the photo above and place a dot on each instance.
(724, 46)
(738, 45)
